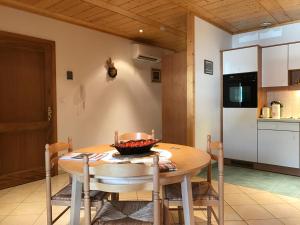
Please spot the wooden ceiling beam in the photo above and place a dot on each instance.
(136, 17)
(275, 10)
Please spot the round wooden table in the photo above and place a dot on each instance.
(189, 161)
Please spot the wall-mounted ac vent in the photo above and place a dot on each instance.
(147, 53)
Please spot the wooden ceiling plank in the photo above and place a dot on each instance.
(133, 3)
(204, 14)
(291, 8)
(46, 3)
(63, 5)
(131, 15)
(29, 1)
(146, 7)
(77, 9)
(275, 10)
(159, 9)
(118, 2)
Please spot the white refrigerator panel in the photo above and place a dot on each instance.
(240, 133)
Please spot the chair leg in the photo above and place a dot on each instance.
(221, 213)
(180, 215)
(49, 214)
(166, 216)
(209, 215)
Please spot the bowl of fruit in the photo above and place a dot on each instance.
(133, 147)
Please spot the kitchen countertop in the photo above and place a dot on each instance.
(287, 120)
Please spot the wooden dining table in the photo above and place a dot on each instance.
(189, 161)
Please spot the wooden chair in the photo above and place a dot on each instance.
(123, 178)
(133, 136)
(204, 194)
(62, 197)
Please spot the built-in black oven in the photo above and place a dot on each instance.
(240, 90)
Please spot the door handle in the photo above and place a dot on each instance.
(49, 113)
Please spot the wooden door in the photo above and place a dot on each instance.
(174, 98)
(28, 107)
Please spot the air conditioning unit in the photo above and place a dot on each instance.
(147, 53)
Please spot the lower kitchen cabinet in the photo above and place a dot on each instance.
(278, 144)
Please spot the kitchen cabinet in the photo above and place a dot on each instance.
(240, 60)
(240, 133)
(294, 56)
(278, 144)
(275, 66)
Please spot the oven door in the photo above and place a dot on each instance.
(240, 91)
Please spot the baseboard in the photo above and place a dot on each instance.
(21, 177)
(263, 167)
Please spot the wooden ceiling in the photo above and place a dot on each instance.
(163, 21)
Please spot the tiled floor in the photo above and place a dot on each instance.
(25, 205)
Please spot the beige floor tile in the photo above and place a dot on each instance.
(4, 191)
(295, 204)
(235, 222)
(252, 212)
(2, 217)
(41, 220)
(7, 208)
(13, 197)
(200, 217)
(239, 199)
(19, 220)
(28, 208)
(265, 222)
(266, 198)
(36, 197)
(229, 213)
(288, 198)
(282, 210)
(249, 190)
(290, 221)
(231, 189)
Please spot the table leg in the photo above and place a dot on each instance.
(187, 200)
(75, 201)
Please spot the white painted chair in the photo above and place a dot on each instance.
(63, 196)
(123, 178)
(204, 194)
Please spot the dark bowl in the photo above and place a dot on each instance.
(135, 150)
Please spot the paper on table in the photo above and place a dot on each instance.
(79, 156)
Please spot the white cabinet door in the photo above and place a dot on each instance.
(278, 148)
(275, 66)
(240, 60)
(294, 56)
(240, 133)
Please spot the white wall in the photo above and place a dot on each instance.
(209, 40)
(271, 36)
(128, 103)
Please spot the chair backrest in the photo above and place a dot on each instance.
(122, 178)
(133, 136)
(52, 153)
(215, 150)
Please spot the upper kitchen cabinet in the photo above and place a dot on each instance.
(240, 60)
(275, 66)
(294, 56)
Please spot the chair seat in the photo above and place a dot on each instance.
(65, 194)
(125, 213)
(201, 191)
